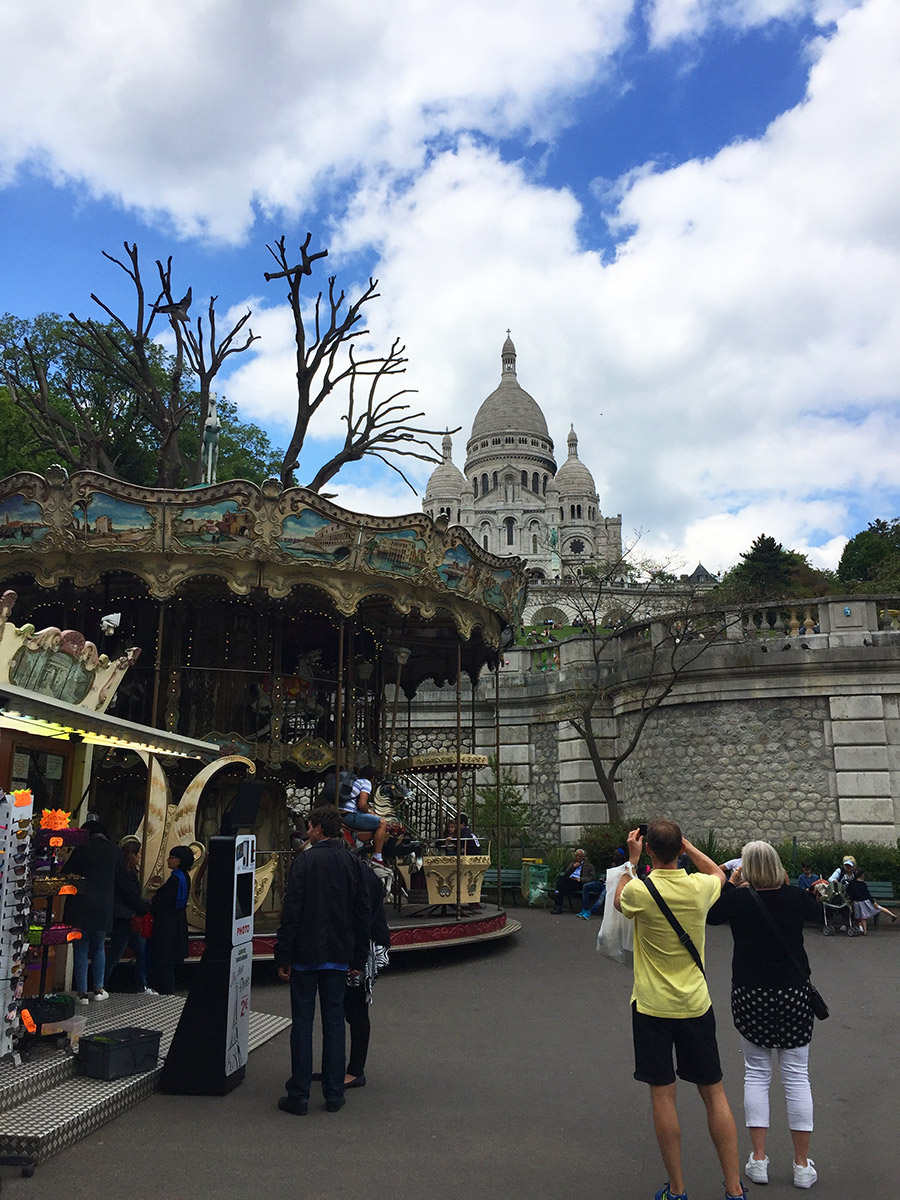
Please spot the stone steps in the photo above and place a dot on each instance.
(46, 1106)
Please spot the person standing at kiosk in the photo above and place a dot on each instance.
(324, 935)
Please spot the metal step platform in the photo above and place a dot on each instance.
(46, 1106)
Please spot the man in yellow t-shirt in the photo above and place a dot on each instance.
(670, 1004)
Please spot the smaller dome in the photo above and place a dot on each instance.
(573, 478)
(446, 481)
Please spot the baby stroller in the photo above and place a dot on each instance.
(836, 908)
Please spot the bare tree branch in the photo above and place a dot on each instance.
(374, 427)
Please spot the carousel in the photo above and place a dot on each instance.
(268, 633)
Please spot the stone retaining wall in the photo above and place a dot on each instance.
(752, 742)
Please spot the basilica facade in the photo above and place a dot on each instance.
(512, 497)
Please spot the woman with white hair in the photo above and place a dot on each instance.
(771, 1002)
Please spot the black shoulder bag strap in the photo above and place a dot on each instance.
(820, 1008)
(683, 936)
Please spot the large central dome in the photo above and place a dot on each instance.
(509, 408)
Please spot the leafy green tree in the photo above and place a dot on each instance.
(65, 403)
(873, 554)
(20, 449)
(764, 572)
(768, 571)
(514, 812)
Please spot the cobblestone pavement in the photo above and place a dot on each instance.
(504, 1072)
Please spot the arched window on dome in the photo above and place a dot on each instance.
(536, 483)
(534, 548)
(496, 479)
(475, 487)
(510, 531)
(571, 512)
(458, 516)
(484, 485)
(545, 486)
(578, 511)
(524, 479)
(484, 542)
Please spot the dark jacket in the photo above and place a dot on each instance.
(326, 909)
(379, 933)
(588, 874)
(91, 910)
(759, 958)
(170, 931)
(127, 898)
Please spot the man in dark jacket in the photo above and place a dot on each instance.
(579, 872)
(324, 934)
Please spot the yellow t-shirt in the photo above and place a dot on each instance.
(667, 981)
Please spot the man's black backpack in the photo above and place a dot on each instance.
(345, 790)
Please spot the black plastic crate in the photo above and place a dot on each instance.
(118, 1053)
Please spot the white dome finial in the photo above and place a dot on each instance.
(508, 356)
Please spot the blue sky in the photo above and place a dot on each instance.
(685, 210)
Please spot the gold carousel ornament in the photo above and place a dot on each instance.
(168, 824)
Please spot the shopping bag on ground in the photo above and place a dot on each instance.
(616, 937)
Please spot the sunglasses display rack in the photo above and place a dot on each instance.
(16, 813)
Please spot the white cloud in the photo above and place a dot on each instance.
(743, 347)
(204, 111)
(669, 20)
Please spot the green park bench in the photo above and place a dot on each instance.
(882, 892)
(510, 881)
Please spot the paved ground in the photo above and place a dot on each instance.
(503, 1072)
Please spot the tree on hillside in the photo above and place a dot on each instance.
(327, 362)
(872, 557)
(622, 635)
(767, 571)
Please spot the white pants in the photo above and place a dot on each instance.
(794, 1066)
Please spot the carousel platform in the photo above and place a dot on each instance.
(46, 1106)
(417, 926)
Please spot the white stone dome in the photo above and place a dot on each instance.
(446, 480)
(509, 408)
(573, 478)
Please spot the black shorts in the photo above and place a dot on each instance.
(693, 1040)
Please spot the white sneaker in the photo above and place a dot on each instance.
(85, 999)
(103, 994)
(805, 1177)
(148, 991)
(757, 1169)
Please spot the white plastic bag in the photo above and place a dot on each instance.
(616, 937)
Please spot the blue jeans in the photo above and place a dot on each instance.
(91, 942)
(330, 987)
(362, 822)
(593, 896)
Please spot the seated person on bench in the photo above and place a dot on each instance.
(355, 814)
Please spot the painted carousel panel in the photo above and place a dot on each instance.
(227, 525)
(108, 521)
(395, 551)
(21, 522)
(309, 535)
